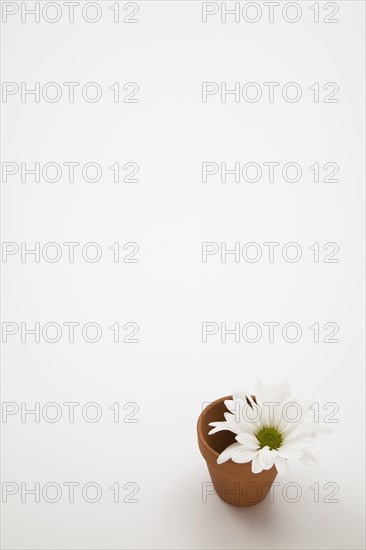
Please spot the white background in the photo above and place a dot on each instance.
(170, 212)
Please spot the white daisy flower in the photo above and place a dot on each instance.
(270, 428)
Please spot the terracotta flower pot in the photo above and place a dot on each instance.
(234, 483)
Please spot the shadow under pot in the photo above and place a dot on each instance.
(234, 483)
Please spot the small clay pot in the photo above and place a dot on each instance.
(234, 483)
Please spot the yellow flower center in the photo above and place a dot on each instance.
(269, 437)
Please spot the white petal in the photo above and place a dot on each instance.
(222, 426)
(281, 465)
(235, 405)
(239, 394)
(260, 392)
(256, 465)
(237, 426)
(230, 405)
(248, 441)
(228, 453)
(288, 452)
(272, 393)
(253, 416)
(298, 443)
(267, 458)
(302, 431)
(271, 412)
(293, 413)
(244, 456)
(229, 417)
(249, 399)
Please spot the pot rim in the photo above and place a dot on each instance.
(203, 441)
